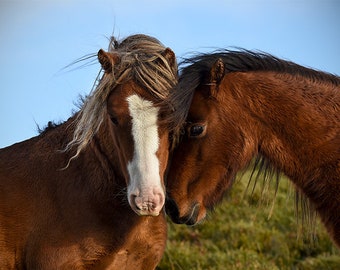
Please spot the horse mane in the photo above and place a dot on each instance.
(263, 171)
(140, 58)
(195, 71)
(245, 60)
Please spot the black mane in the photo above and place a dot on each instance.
(245, 60)
(194, 71)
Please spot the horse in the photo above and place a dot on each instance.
(89, 193)
(240, 108)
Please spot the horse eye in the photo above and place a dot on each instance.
(114, 121)
(195, 130)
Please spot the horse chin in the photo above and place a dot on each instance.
(145, 212)
(192, 217)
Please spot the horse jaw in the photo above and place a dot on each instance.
(145, 192)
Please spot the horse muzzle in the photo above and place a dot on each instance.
(149, 204)
(190, 218)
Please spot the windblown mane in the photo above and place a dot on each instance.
(141, 60)
(194, 71)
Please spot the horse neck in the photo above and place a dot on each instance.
(294, 119)
(99, 155)
(103, 150)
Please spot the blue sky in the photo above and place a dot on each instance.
(39, 38)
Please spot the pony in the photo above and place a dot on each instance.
(89, 193)
(240, 108)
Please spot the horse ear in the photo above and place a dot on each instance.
(169, 55)
(217, 71)
(107, 60)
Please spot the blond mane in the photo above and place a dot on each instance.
(141, 60)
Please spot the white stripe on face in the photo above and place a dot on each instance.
(145, 183)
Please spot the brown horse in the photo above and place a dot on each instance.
(241, 105)
(65, 194)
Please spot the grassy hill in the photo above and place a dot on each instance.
(240, 235)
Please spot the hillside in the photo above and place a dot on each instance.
(240, 235)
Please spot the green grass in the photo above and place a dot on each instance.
(240, 235)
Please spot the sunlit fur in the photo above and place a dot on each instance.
(255, 105)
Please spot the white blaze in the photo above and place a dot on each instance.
(145, 182)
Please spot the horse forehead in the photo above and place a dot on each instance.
(124, 96)
(200, 107)
(144, 117)
(142, 110)
(140, 104)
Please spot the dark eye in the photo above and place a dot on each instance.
(114, 121)
(196, 130)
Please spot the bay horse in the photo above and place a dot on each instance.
(238, 106)
(88, 193)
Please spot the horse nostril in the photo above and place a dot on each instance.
(132, 202)
(172, 210)
(190, 218)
